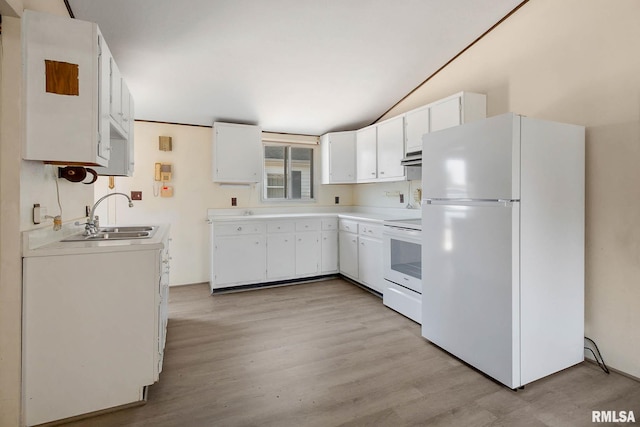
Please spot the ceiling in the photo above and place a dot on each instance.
(291, 66)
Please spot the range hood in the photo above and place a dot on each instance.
(413, 163)
(412, 159)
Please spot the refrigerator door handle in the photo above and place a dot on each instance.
(470, 202)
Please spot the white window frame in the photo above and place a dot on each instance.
(294, 141)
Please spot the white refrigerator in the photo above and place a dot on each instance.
(503, 245)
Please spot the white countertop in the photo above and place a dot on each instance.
(43, 242)
(359, 214)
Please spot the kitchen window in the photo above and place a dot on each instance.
(288, 172)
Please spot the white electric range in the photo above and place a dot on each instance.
(403, 267)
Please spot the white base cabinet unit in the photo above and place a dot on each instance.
(239, 253)
(253, 251)
(348, 248)
(94, 328)
(361, 253)
(370, 253)
(329, 246)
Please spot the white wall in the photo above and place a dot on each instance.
(17, 179)
(576, 61)
(194, 193)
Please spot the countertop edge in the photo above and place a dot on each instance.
(58, 248)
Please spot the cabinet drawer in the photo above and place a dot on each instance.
(371, 230)
(348, 225)
(238, 228)
(308, 225)
(329, 224)
(280, 227)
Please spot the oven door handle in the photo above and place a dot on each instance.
(402, 233)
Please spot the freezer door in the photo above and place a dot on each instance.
(470, 297)
(477, 160)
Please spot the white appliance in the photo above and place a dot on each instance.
(503, 245)
(402, 260)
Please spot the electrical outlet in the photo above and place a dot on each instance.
(87, 210)
(337, 199)
(234, 201)
(136, 195)
(39, 212)
(401, 198)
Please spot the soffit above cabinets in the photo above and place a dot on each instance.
(293, 66)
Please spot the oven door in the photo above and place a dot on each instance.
(403, 257)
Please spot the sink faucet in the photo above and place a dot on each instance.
(91, 228)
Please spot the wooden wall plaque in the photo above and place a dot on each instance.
(62, 78)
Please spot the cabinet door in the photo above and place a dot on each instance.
(366, 155)
(237, 153)
(342, 157)
(104, 87)
(445, 114)
(125, 96)
(370, 263)
(115, 104)
(307, 253)
(329, 248)
(239, 259)
(281, 252)
(130, 138)
(391, 149)
(416, 124)
(348, 250)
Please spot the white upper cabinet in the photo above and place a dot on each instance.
(416, 124)
(338, 157)
(445, 114)
(65, 118)
(366, 154)
(390, 149)
(463, 107)
(451, 111)
(379, 150)
(237, 153)
(119, 107)
(78, 109)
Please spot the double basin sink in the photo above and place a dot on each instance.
(116, 233)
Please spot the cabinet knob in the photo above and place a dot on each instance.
(239, 228)
(381, 173)
(373, 173)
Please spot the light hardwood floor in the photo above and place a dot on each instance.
(330, 354)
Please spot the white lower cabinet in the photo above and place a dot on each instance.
(361, 253)
(307, 254)
(239, 259)
(370, 263)
(281, 254)
(348, 248)
(329, 248)
(94, 328)
(248, 252)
